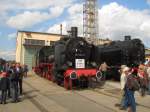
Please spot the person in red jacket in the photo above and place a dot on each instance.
(4, 87)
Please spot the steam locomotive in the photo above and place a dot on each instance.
(130, 52)
(69, 61)
(72, 61)
(126, 52)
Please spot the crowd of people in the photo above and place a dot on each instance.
(133, 79)
(11, 77)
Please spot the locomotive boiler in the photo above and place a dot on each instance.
(130, 52)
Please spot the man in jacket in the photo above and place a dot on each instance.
(19, 72)
(14, 83)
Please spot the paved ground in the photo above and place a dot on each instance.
(41, 95)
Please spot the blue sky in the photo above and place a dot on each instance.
(116, 19)
(132, 4)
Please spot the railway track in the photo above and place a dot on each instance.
(114, 96)
(38, 105)
(98, 91)
(43, 109)
(100, 104)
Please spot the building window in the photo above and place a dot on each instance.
(34, 42)
(52, 43)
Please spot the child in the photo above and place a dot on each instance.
(4, 87)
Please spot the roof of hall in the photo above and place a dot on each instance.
(40, 33)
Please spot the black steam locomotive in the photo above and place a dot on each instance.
(69, 61)
(130, 52)
(73, 59)
(70, 48)
(126, 52)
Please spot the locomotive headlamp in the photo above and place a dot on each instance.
(99, 75)
(73, 75)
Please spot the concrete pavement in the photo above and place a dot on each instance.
(41, 95)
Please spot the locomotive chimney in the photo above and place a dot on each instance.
(60, 29)
(74, 32)
(127, 37)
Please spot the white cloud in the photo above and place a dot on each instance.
(11, 36)
(115, 21)
(32, 4)
(76, 8)
(56, 11)
(27, 19)
(75, 18)
(145, 27)
(56, 28)
(8, 55)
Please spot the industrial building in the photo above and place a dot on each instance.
(29, 43)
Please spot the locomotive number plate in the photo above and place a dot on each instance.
(80, 63)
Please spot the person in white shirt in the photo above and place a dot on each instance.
(123, 81)
(123, 78)
(122, 84)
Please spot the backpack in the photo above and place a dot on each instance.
(133, 83)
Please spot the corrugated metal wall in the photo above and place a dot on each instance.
(29, 55)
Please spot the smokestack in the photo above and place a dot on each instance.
(127, 38)
(74, 32)
(60, 29)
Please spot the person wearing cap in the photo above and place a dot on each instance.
(4, 87)
(129, 101)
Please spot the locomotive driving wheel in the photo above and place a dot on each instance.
(98, 80)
